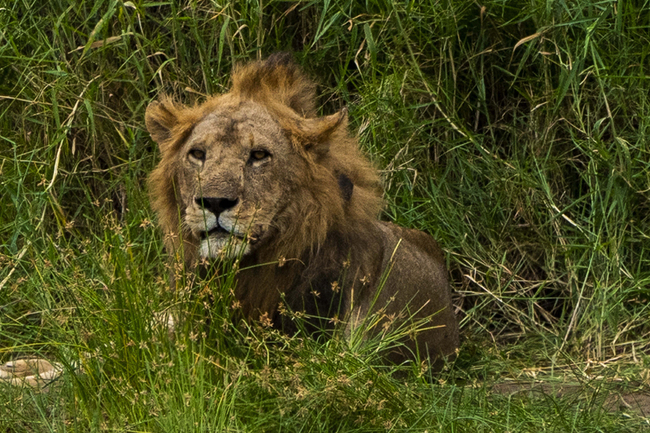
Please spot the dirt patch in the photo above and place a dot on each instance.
(637, 402)
(614, 397)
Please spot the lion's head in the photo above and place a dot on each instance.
(255, 171)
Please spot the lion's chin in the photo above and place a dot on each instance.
(223, 247)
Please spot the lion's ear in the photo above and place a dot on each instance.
(160, 118)
(318, 132)
(280, 79)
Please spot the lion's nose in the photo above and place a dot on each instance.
(216, 205)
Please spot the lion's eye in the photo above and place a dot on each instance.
(259, 155)
(197, 154)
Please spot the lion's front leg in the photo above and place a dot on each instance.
(33, 372)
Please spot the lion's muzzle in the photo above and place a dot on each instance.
(216, 221)
(216, 205)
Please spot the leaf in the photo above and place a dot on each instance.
(527, 39)
(101, 43)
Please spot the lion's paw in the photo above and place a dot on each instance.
(33, 372)
(165, 320)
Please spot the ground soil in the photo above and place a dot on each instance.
(614, 397)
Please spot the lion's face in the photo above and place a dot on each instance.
(255, 171)
(233, 179)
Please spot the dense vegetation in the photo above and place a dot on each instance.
(515, 132)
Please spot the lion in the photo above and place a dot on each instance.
(256, 175)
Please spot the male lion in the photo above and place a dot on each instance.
(256, 174)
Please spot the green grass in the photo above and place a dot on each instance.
(516, 132)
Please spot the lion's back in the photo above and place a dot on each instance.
(417, 276)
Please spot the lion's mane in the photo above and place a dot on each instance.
(318, 206)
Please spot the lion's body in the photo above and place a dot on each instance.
(255, 174)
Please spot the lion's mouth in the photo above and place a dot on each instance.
(250, 238)
(217, 229)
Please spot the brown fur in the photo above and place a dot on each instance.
(316, 201)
